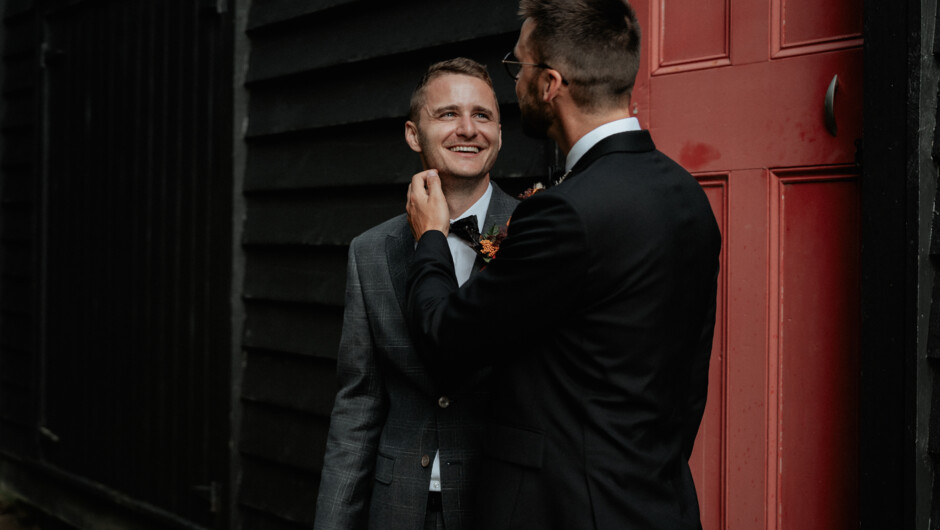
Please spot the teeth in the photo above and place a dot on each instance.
(465, 149)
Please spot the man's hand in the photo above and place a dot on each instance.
(427, 207)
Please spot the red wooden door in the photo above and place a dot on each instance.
(735, 91)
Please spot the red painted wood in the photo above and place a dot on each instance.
(640, 96)
(690, 31)
(708, 456)
(750, 27)
(745, 247)
(767, 114)
(802, 22)
(778, 443)
(815, 217)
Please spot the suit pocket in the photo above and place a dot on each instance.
(384, 468)
(515, 445)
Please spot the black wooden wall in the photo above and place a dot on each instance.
(19, 149)
(115, 257)
(135, 230)
(329, 83)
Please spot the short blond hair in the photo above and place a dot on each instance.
(460, 66)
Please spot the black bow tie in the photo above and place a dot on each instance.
(466, 229)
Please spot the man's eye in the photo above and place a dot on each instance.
(449, 115)
(482, 116)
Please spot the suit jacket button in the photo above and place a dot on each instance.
(444, 402)
(425, 461)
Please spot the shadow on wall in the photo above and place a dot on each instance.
(17, 515)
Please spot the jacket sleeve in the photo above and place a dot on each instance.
(359, 413)
(536, 272)
(699, 363)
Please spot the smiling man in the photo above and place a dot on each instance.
(402, 455)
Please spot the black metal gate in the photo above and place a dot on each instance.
(137, 251)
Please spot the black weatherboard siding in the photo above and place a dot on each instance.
(137, 220)
(329, 84)
(19, 152)
(116, 257)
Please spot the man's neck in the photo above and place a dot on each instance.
(461, 194)
(572, 124)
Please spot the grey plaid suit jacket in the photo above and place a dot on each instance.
(388, 415)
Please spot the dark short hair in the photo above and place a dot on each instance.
(460, 65)
(595, 44)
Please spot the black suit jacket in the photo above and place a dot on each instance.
(597, 315)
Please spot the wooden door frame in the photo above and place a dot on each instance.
(890, 225)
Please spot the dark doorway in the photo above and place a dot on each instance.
(136, 251)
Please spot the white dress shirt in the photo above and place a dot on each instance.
(464, 258)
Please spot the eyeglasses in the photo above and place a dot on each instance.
(514, 67)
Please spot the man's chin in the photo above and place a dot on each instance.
(467, 172)
(464, 177)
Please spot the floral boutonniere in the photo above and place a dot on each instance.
(531, 191)
(538, 186)
(489, 242)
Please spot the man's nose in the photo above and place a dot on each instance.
(466, 127)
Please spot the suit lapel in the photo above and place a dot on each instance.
(399, 249)
(497, 214)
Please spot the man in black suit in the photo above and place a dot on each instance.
(597, 314)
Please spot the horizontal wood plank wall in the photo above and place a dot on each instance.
(329, 83)
(19, 174)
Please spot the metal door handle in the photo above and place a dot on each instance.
(830, 106)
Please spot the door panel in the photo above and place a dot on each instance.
(813, 389)
(690, 34)
(829, 24)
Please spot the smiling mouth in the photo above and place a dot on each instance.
(464, 149)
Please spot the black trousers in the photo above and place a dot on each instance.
(434, 520)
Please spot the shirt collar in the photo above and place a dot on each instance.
(479, 208)
(589, 140)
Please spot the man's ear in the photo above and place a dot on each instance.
(552, 85)
(499, 143)
(411, 136)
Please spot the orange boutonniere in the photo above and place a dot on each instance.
(531, 191)
(489, 242)
(538, 186)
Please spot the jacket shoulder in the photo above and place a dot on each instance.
(392, 227)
